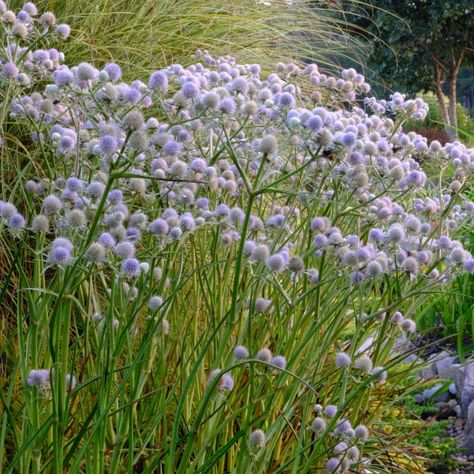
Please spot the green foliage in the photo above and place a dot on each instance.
(429, 435)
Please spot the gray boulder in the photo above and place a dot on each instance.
(464, 380)
(444, 367)
(468, 442)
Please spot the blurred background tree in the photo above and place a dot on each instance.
(421, 45)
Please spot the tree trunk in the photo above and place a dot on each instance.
(442, 102)
(453, 118)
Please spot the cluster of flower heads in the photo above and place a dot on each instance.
(415, 108)
(41, 379)
(409, 243)
(226, 128)
(345, 452)
(241, 353)
(23, 29)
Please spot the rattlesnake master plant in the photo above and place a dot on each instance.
(212, 269)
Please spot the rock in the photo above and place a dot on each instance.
(470, 418)
(439, 365)
(403, 344)
(468, 442)
(444, 368)
(426, 372)
(365, 345)
(439, 356)
(443, 397)
(464, 380)
(419, 398)
(411, 358)
(429, 392)
(445, 411)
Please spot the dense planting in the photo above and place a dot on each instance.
(213, 269)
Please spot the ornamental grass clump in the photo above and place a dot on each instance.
(210, 269)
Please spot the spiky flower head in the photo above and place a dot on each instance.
(343, 360)
(279, 362)
(39, 377)
(155, 302)
(131, 267)
(241, 352)
(59, 256)
(226, 382)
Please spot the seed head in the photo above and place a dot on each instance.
(330, 410)
(408, 325)
(227, 106)
(226, 382)
(52, 204)
(86, 72)
(262, 305)
(410, 265)
(396, 233)
(361, 432)
(296, 264)
(17, 221)
(30, 8)
(257, 439)
(469, 265)
(114, 71)
(260, 254)
(158, 81)
(59, 256)
(190, 90)
(268, 145)
(62, 242)
(333, 464)
(264, 355)
(318, 425)
(76, 219)
(364, 363)
(48, 19)
(95, 253)
(40, 224)
(63, 30)
(380, 373)
(125, 250)
(276, 262)
(134, 120)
